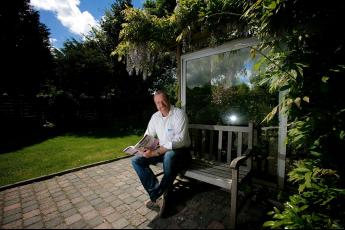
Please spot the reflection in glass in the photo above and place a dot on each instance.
(223, 89)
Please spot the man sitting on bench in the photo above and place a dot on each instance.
(170, 125)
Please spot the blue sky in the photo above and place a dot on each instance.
(68, 19)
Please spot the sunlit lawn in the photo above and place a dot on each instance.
(58, 154)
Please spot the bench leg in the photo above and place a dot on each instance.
(233, 210)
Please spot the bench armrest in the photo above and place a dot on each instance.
(235, 163)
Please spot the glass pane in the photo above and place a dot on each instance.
(223, 89)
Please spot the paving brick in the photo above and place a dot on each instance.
(96, 221)
(38, 225)
(78, 225)
(82, 204)
(96, 201)
(129, 200)
(11, 218)
(65, 207)
(60, 198)
(13, 225)
(63, 202)
(51, 216)
(69, 212)
(90, 215)
(77, 200)
(30, 214)
(136, 219)
(92, 197)
(143, 210)
(12, 201)
(28, 200)
(12, 206)
(85, 209)
(116, 203)
(46, 202)
(30, 208)
(31, 221)
(110, 199)
(12, 212)
(105, 194)
(135, 194)
(106, 211)
(48, 210)
(122, 208)
(103, 226)
(113, 217)
(151, 215)
(121, 223)
(101, 205)
(87, 193)
(72, 219)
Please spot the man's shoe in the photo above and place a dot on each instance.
(152, 205)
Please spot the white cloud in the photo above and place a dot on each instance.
(52, 41)
(68, 14)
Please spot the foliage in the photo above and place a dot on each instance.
(219, 20)
(22, 38)
(309, 65)
(83, 69)
(150, 34)
(143, 36)
(318, 203)
(160, 8)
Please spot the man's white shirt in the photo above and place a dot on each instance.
(172, 130)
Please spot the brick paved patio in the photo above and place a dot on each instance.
(111, 196)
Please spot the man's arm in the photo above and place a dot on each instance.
(151, 128)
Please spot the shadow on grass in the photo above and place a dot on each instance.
(21, 136)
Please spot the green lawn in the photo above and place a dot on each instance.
(58, 154)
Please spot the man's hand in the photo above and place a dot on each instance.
(149, 153)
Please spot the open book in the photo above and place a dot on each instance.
(147, 142)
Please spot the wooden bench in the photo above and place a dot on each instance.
(221, 157)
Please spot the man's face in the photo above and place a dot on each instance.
(162, 104)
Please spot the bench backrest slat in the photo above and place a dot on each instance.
(229, 139)
(211, 143)
(228, 156)
(239, 144)
(220, 138)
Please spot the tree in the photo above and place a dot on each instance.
(24, 44)
(83, 69)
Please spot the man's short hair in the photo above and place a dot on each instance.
(162, 92)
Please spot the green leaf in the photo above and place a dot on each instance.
(301, 188)
(306, 99)
(304, 207)
(298, 101)
(324, 79)
(307, 177)
(269, 223)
